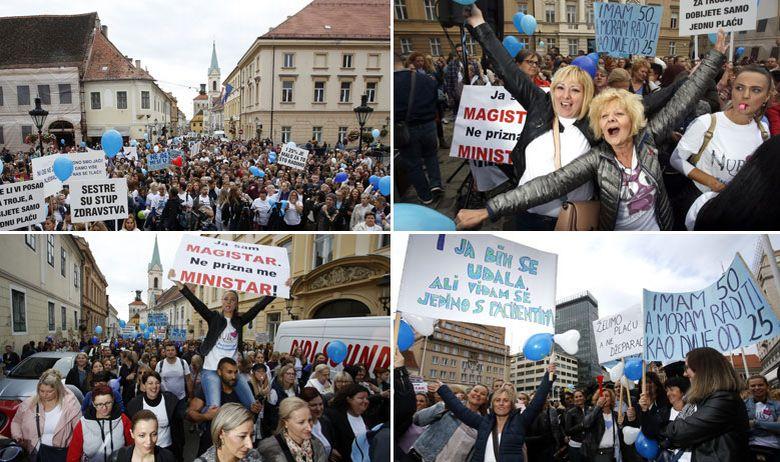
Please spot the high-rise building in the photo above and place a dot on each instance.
(578, 312)
(526, 375)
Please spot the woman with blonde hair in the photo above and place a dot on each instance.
(231, 436)
(320, 379)
(293, 440)
(44, 422)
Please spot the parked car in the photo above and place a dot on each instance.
(21, 382)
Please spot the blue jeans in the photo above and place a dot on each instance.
(212, 389)
(422, 150)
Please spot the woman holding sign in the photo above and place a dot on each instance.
(625, 168)
(224, 339)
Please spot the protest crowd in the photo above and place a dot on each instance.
(137, 398)
(638, 143)
(210, 184)
(704, 411)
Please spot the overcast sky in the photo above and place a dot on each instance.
(173, 38)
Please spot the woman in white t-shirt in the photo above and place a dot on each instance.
(292, 213)
(737, 132)
(320, 379)
(262, 210)
(346, 415)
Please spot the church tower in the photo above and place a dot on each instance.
(155, 273)
(215, 82)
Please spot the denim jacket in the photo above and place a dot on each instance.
(441, 424)
(763, 429)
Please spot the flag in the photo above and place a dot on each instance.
(228, 89)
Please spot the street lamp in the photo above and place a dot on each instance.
(362, 113)
(289, 308)
(39, 117)
(155, 127)
(258, 127)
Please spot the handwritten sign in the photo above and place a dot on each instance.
(707, 16)
(240, 266)
(480, 279)
(89, 165)
(177, 334)
(98, 200)
(158, 161)
(294, 157)
(488, 126)
(262, 337)
(157, 319)
(22, 204)
(128, 332)
(130, 152)
(620, 335)
(624, 29)
(729, 314)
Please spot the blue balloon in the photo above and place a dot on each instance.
(98, 330)
(538, 346)
(336, 351)
(272, 157)
(133, 143)
(633, 369)
(2, 167)
(405, 336)
(111, 142)
(95, 340)
(62, 141)
(586, 64)
(713, 37)
(114, 384)
(122, 323)
(254, 171)
(146, 136)
(83, 144)
(517, 20)
(148, 146)
(143, 170)
(594, 57)
(646, 447)
(343, 166)
(512, 45)
(413, 217)
(261, 174)
(341, 177)
(142, 326)
(385, 186)
(284, 204)
(63, 168)
(465, 2)
(375, 133)
(373, 180)
(529, 24)
(739, 51)
(147, 335)
(271, 201)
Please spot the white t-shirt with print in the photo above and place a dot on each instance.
(636, 208)
(173, 376)
(226, 347)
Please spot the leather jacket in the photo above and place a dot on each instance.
(572, 421)
(600, 164)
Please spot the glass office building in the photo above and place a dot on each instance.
(578, 312)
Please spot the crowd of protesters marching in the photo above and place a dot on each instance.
(690, 148)
(232, 186)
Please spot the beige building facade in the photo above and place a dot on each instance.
(94, 300)
(526, 375)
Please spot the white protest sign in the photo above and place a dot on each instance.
(240, 266)
(98, 200)
(130, 152)
(43, 170)
(22, 204)
(88, 166)
(488, 126)
(480, 279)
(293, 157)
(620, 335)
(707, 16)
(419, 384)
(261, 337)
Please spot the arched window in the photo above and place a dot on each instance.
(341, 309)
(155, 283)
(213, 85)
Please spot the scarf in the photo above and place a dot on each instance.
(301, 453)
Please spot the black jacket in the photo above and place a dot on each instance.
(572, 423)
(343, 436)
(717, 431)
(423, 108)
(170, 214)
(544, 433)
(73, 379)
(125, 454)
(136, 404)
(217, 322)
(594, 430)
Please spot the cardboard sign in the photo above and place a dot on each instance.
(98, 200)
(157, 319)
(130, 152)
(262, 337)
(22, 204)
(178, 334)
(707, 16)
(480, 279)
(158, 161)
(488, 126)
(624, 29)
(128, 332)
(256, 269)
(620, 335)
(731, 313)
(293, 157)
(90, 165)
(419, 384)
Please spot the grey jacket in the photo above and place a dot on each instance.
(271, 451)
(600, 165)
(442, 426)
(211, 456)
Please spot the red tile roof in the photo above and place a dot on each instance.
(200, 97)
(347, 19)
(106, 62)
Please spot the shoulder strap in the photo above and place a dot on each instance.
(707, 138)
(38, 421)
(557, 142)
(764, 134)
(495, 442)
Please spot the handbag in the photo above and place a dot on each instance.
(47, 453)
(401, 136)
(579, 215)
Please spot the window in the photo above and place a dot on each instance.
(63, 257)
(51, 316)
(75, 275)
(316, 134)
(571, 14)
(522, 6)
(30, 240)
(66, 97)
(672, 48)
(44, 93)
(345, 90)
(346, 61)
(433, 373)
(573, 47)
(50, 249)
(95, 98)
(470, 45)
(286, 134)
(287, 91)
(75, 319)
(342, 134)
(144, 100)
(589, 14)
(272, 321)
(289, 60)
(384, 240)
(1, 96)
(435, 44)
(430, 10)
(551, 43)
(673, 21)
(435, 360)
(323, 249)
(121, 100)
(23, 95)
(319, 92)
(2, 138)
(19, 311)
(371, 91)
(406, 46)
(400, 9)
(64, 315)
(549, 13)
(761, 25)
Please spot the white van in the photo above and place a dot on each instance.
(367, 339)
